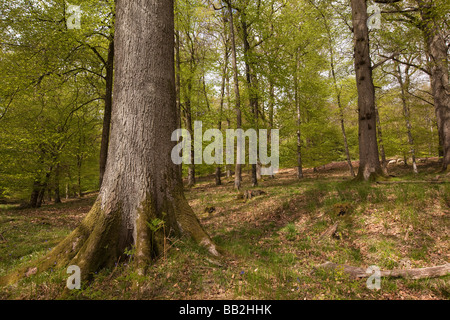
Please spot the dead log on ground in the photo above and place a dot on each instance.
(329, 232)
(417, 273)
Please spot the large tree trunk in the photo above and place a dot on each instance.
(107, 113)
(437, 50)
(369, 162)
(141, 182)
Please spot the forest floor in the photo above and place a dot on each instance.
(272, 242)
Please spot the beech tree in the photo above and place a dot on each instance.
(141, 182)
(369, 162)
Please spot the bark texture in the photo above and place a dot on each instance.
(369, 166)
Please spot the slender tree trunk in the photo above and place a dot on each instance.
(57, 184)
(43, 188)
(188, 109)
(338, 93)
(178, 76)
(228, 166)
(380, 141)
(178, 82)
(299, 118)
(238, 172)
(35, 194)
(141, 182)
(250, 77)
(79, 166)
(189, 127)
(108, 107)
(39, 187)
(403, 89)
(369, 162)
(218, 173)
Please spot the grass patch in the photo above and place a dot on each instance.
(272, 243)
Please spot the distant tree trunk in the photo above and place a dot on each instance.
(40, 185)
(141, 183)
(57, 184)
(107, 113)
(178, 82)
(338, 93)
(178, 76)
(189, 127)
(251, 81)
(79, 166)
(218, 173)
(188, 109)
(403, 89)
(228, 166)
(380, 141)
(238, 172)
(35, 194)
(42, 188)
(344, 136)
(299, 118)
(369, 162)
(271, 112)
(341, 115)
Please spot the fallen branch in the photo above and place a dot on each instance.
(329, 232)
(418, 273)
(399, 182)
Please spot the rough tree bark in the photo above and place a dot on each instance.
(141, 182)
(369, 162)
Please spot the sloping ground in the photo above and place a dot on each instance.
(272, 242)
(391, 226)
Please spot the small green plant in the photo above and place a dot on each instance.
(130, 251)
(291, 232)
(155, 224)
